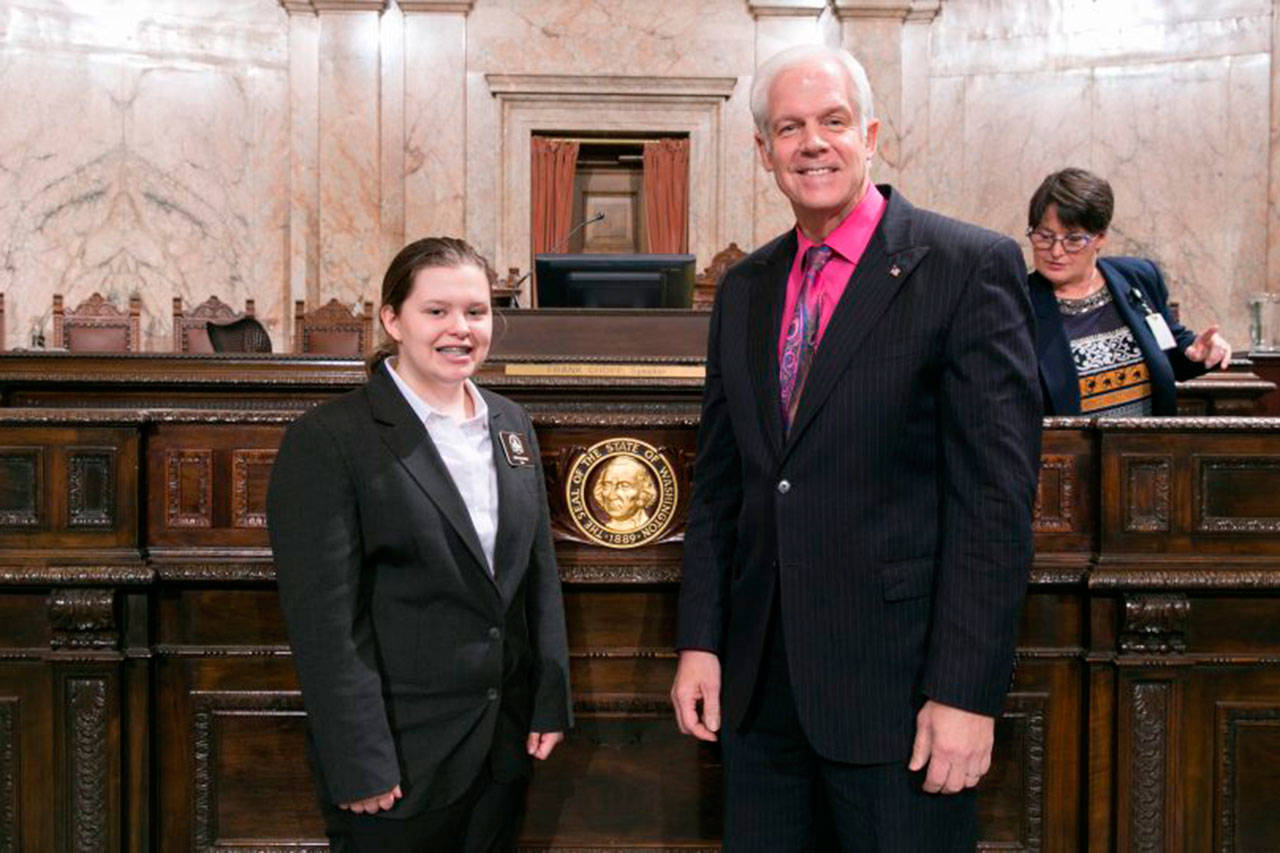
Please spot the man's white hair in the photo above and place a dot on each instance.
(801, 55)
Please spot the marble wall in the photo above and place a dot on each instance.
(284, 149)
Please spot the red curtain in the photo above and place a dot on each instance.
(666, 195)
(553, 166)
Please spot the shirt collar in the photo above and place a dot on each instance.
(425, 412)
(850, 236)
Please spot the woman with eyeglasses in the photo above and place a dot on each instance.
(1105, 340)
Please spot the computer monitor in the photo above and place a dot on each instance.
(614, 281)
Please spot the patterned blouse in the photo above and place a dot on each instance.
(1113, 375)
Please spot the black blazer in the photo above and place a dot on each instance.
(416, 665)
(894, 521)
(1123, 276)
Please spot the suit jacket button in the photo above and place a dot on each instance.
(783, 487)
(494, 633)
(492, 693)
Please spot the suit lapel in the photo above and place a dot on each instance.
(407, 438)
(513, 505)
(886, 263)
(768, 295)
(1053, 352)
(1158, 368)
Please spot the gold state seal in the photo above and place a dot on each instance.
(621, 493)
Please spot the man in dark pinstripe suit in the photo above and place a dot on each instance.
(859, 536)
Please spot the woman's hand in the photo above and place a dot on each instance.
(540, 744)
(1210, 348)
(376, 803)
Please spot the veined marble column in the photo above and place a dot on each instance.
(336, 199)
(1273, 155)
(435, 117)
(780, 24)
(891, 40)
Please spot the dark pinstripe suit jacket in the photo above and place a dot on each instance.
(398, 630)
(894, 521)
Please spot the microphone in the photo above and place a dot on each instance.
(595, 217)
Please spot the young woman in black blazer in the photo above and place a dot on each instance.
(418, 581)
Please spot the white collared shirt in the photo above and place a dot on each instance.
(467, 451)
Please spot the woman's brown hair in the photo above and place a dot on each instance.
(397, 282)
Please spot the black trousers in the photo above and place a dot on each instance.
(486, 820)
(783, 797)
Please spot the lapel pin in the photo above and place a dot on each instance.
(895, 270)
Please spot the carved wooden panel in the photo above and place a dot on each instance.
(233, 731)
(188, 488)
(1248, 775)
(10, 762)
(1146, 493)
(21, 486)
(1055, 495)
(1155, 624)
(1011, 798)
(250, 473)
(1148, 779)
(86, 727)
(82, 618)
(1238, 494)
(91, 487)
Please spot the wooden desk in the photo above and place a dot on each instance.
(147, 699)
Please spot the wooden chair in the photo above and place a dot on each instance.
(97, 326)
(704, 284)
(332, 329)
(189, 333)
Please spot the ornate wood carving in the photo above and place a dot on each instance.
(1155, 624)
(1232, 718)
(103, 326)
(188, 488)
(91, 487)
(1147, 782)
(82, 619)
(10, 762)
(1030, 710)
(1055, 495)
(1146, 491)
(250, 470)
(705, 283)
(87, 750)
(206, 706)
(21, 486)
(1218, 466)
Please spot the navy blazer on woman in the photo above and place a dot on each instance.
(417, 665)
(1124, 276)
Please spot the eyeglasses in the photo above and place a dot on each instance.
(1071, 243)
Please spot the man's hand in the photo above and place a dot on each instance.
(697, 680)
(540, 744)
(1210, 348)
(956, 745)
(376, 803)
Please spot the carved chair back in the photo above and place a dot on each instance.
(704, 283)
(332, 329)
(96, 325)
(189, 333)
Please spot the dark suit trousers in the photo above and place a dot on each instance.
(782, 797)
(486, 820)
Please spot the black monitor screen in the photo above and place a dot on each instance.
(614, 281)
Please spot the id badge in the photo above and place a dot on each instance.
(1159, 328)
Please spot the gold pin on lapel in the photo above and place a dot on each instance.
(895, 270)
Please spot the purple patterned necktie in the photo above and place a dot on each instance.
(802, 334)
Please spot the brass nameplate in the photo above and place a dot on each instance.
(609, 371)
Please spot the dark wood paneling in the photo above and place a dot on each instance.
(144, 666)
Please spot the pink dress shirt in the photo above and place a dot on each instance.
(847, 242)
